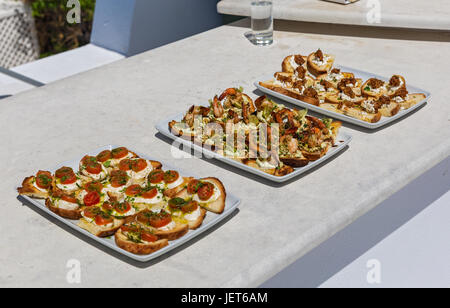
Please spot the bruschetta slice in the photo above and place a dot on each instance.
(183, 130)
(91, 168)
(162, 224)
(292, 62)
(395, 83)
(135, 238)
(143, 196)
(37, 186)
(120, 153)
(410, 100)
(174, 183)
(98, 222)
(374, 87)
(319, 63)
(116, 184)
(263, 165)
(65, 206)
(187, 211)
(347, 95)
(335, 76)
(66, 181)
(208, 192)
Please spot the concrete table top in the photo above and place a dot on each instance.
(399, 13)
(120, 103)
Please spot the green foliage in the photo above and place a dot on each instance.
(54, 32)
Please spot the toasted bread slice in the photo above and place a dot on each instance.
(334, 78)
(289, 63)
(411, 100)
(390, 109)
(392, 89)
(367, 90)
(291, 93)
(178, 231)
(101, 231)
(295, 162)
(143, 248)
(353, 112)
(173, 191)
(316, 67)
(315, 155)
(177, 131)
(337, 98)
(218, 205)
(189, 218)
(29, 189)
(73, 214)
(276, 171)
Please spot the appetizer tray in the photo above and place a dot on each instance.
(342, 141)
(210, 220)
(361, 74)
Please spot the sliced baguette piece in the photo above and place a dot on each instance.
(100, 231)
(218, 205)
(336, 98)
(194, 224)
(315, 155)
(295, 162)
(368, 91)
(73, 214)
(138, 248)
(411, 100)
(181, 217)
(353, 112)
(291, 93)
(390, 109)
(278, 171)
(29, 189)
(316, 69)
(188, 135)
(335, 78)
(392, 89)
(289, 64)
(178, 231)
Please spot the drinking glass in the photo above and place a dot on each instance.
(262, 22)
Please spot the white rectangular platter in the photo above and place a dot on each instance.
(358, 74)
(342, 141)
(211, 219)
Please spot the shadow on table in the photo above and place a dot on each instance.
(341, 249)
(353, 30)
(247, 174)
(116, 254)
(345, 124)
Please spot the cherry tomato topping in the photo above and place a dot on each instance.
(139, 164)
(122, 207)
(149, 194)
(63, 171)
(171, 176)
(43, 179)
(193, 186)
(129, 228)
(93, 186)
(119, 152)
(119, 181)
(91, 198)
(148, 237)
(156, 176)
(69, 178)
(125, 164)
(104, 156)
(156, 220)
(90, 212)
(68, 198)
(133, 190)
(206, 191)
(189, 207)
(103, 219)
